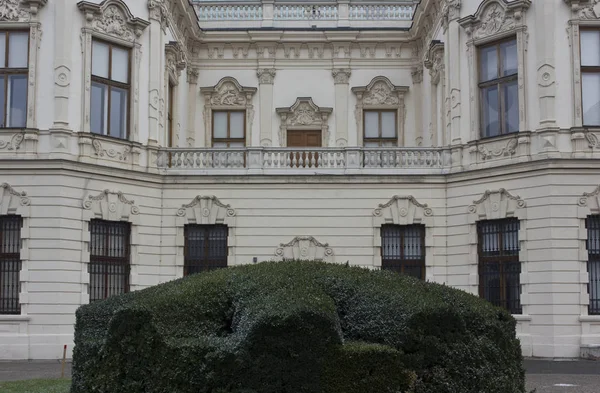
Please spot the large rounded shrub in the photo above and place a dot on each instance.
(296, 327)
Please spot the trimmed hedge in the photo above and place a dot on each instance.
(283, 327)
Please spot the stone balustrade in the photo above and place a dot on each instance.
(288, 160)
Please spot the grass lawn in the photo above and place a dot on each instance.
(36, 386)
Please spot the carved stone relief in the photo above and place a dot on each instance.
(207, 210)
(14, 142)
(11, 200)
(507, 150)
(496, 204)
(266, 76)
(304, 114)
(401, 210)
(11, 10)
(111, 205)
(591, 200)
(111, 152)
(176, 60)
(305, 248)
(341, 76)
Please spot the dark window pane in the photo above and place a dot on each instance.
(511, 106)
(98, 109)
(3, 50)
(2, 103)
(491, 116)
(402, 249)
(508, 51)
(590, 93)
(205, 248)
(593, 266)
(118, 112)
(10, 264)
(488, 63)
(17, 101)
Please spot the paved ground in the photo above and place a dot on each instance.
(543, 375)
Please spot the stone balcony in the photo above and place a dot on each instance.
(305, 14)
(304, 161)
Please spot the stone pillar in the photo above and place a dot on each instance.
(453, 95)
(417, 92)
(156, 70)
(266, 78)
(192, 79)
(62, 63)
(341, 78)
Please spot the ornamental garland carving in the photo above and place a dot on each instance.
(494, 17)
(10, 10)
(228, 92)
(111, 205)
(592, 140)
(304, 113)
(508, 150)
(113, 17)
(111, 152)
(305, 248)
(14, 143)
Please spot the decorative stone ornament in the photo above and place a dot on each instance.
(304, 114)
(176, 60)
(111, 21)
(305, 248)
(228, 94)
(266, 76)
(20, 10)
(591, 200)
(111, 205)
(380, 93)
(11, 200)
(496, 204)
(496, 19)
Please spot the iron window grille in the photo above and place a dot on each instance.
(10, 264)
(205, 248)
(592, 224)
(403, 249)
(499, 265)
(109, 258)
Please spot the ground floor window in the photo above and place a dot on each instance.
(403, 249)
(10, 263)
(205, 248)
(592, 223)
(499, 265)
(109, 258)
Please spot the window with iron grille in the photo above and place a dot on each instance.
(592, 223)
(403, 249)
(10, 264)
(109, 258)
(499, 266)
(205, 248)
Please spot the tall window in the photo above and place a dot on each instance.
(110, 89)
(380, 128)
(403, 249)
(499, 266)
(229, 128)
(14, 61)
(498, 85)
(205, 248)
(592, 223)
(170, 116)
(590, 76)
(10, 264)
(109, 258)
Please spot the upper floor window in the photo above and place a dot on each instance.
(498, 86)
(590, 76)
(229, 128)
(10, 264)
(170, 115)
(14, 63)
(499, 266)
(109, 258)
(592, 223)
(380, 128)
(403, 249)
(110, 89)
(205, 248)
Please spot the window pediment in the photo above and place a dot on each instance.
(111, 205)
(11, 200)
(380, 92)
(229, 93)
(585, 9)
(496, 204)
(402, 210)
(591, 200)
(304, 113)
(207, 210)
(20, 11)
(494, 17)
(305, 248)
(113, 18)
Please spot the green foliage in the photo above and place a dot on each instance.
(36, 386)
(282, 327)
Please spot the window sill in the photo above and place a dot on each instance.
(522, 317)
(14, 318)
(589, 318)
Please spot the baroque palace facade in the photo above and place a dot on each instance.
(453, 140)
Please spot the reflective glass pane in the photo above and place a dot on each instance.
(488, 63)
(509, 57)
(389, 144)
(17, 101)
(491, 117)
(590, 48)
(590, 92)
(371, 124)
(236, 124)
(2, 50)
(99, 109)
(236, 144)
(100, 59)
(118, 112)
(219, 124)
(371, 144)
(2, 103)
(18, 50)
(511, 107)
(388, 124)
(220, 144)
(120, 65)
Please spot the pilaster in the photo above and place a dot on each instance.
(420, 136)
(266, 78)
(192, 79)
(156, 71)
(341, 79)
(62, 63)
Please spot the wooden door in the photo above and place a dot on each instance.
(304, 139)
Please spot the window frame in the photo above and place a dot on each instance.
(170, 113)
(10, 257)
(112, 83)
(594, 302)
(499, 82)
(199, 265)
(107, 260)
(5, 71)
(586, 70)
(228, 140)
(402, 262)
(501, 261)
(380, 139)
